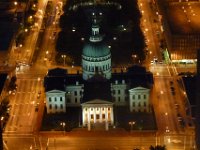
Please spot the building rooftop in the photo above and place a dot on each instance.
(3, 77)
(183, 18)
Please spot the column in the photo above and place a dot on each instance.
(88, 123)
(111, 115)
(95, 115)
(106, 123)
(83, 116)
(100, 113)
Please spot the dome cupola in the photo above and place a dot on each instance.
(96, 55)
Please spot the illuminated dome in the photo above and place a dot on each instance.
(96, 56)
(95, 49)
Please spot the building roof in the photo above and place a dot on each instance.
(54, 83)
(57, 72)
(95, 49)
(3, 77)
(190, 87)
(97, 87)
(58, 81)
(134, 77)
(183, 18)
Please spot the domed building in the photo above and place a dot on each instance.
(98, 98)
(96, 56)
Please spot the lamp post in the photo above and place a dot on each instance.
(134, 56)
(64, 57)
(63, 125)
(131, 123)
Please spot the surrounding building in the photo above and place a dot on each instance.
(97, 90)
(182, 34)
(3, 83)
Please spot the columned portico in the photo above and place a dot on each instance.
(97, 111)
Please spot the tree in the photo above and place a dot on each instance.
(4, 115)
(158, 147)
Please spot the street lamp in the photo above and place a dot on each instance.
(131, 123)
(63, 125)
(134, 56)
(63, 56)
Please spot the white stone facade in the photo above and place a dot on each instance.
(139, 99)
(119, 93)
(97, 111)
(74, 94)
(55, 101)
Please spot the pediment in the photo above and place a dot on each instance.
(97, 101)
(139, 88)
(55, 91)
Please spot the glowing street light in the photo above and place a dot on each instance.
(15, 3)
(131, 123)
(64, 57)
(63, 125)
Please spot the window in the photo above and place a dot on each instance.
(75, 93)
(92, 116)
(61, 99)
(56, 106)
(55, 99)
(50, 106)
(133, 104)
(97, 116)
(139, 104)
(145, 104)
(118, 99)
(75, 100)
(103, 116)
(49, 99)
(108, 108)
(145, 97)
(61, 106)
(133, 97)
(118, 91)
(68, 100)
(139, 96)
